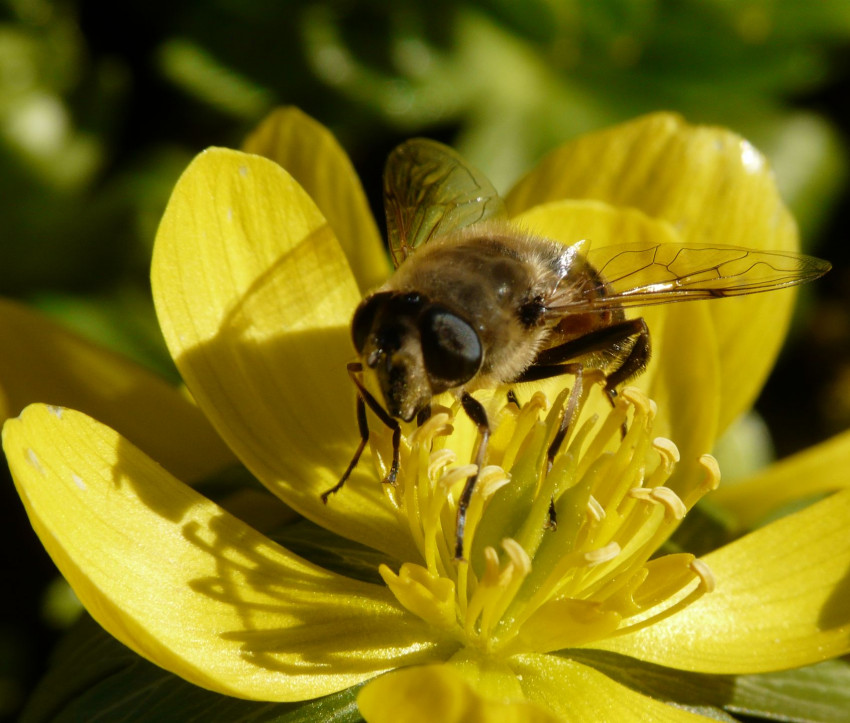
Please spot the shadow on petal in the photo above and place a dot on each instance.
(276, 388)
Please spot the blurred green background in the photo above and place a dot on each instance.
(103, 104)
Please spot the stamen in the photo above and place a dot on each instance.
(525, 421)
(435, 426)
(426, 595)
(519, 557)
(591, 575)
(490, 581)
(438, 460)
(595, 510)
(491, 566)
(667, 449)
(675, 508)
(709, 482)
(603, 554)
(457, 474)
(642, 403)
(491, 480)
(669, 454)
(498, 595)
(705, 574)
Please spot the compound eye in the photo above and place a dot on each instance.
(450, 346)
(364, 319)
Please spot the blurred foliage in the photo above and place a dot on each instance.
(103, 104)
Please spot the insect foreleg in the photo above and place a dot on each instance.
(478, 416)
(363, 425)
(364, 397)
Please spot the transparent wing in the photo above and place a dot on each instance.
(643, 275)
(429, 191)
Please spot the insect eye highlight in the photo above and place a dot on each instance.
(450, 347)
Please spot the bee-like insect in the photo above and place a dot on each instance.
(476, 303)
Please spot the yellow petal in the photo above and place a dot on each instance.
(780, 601)
(438, 693)
(817, 470)
(313, 157)
(45, 363)
(255, 298)
(576, 692)
(712, 187)
(683, 376)
(188, 586)
(563, 623)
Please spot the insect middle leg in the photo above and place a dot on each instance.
(627, 365)
(539, 372)
(475, 411)
(365, 397)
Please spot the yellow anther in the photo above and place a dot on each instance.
(712, 469)
(603, 554)
(518, 556)
(675, 508)
(667, 450)
(705, 575)
(491, 479)
(595, 510)
(639, 400)
(457, 474)
(439, 459)
(491, 567)
(709, 482)
(539, 400)
(435, 426)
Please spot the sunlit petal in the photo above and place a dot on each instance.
(817, 470)
(255, 298)
(187, 585)
(576, 692)
(780, 601)
(683, 375)
(438, 693)
(313, 157)
(712, 187)
(46, 363)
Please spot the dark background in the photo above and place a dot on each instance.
(102, 106)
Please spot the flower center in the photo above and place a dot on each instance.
(558, 546)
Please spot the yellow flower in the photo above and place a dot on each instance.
(255, 277)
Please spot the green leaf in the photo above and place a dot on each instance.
(93, 677)
(814, 694)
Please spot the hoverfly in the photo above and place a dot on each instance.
(474, 303)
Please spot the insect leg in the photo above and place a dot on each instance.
(538, 372)
(365, 397)
(569, 412)
(631, 363)
(635, 361)
(363, 425)
(424, 415)
(478, 416)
